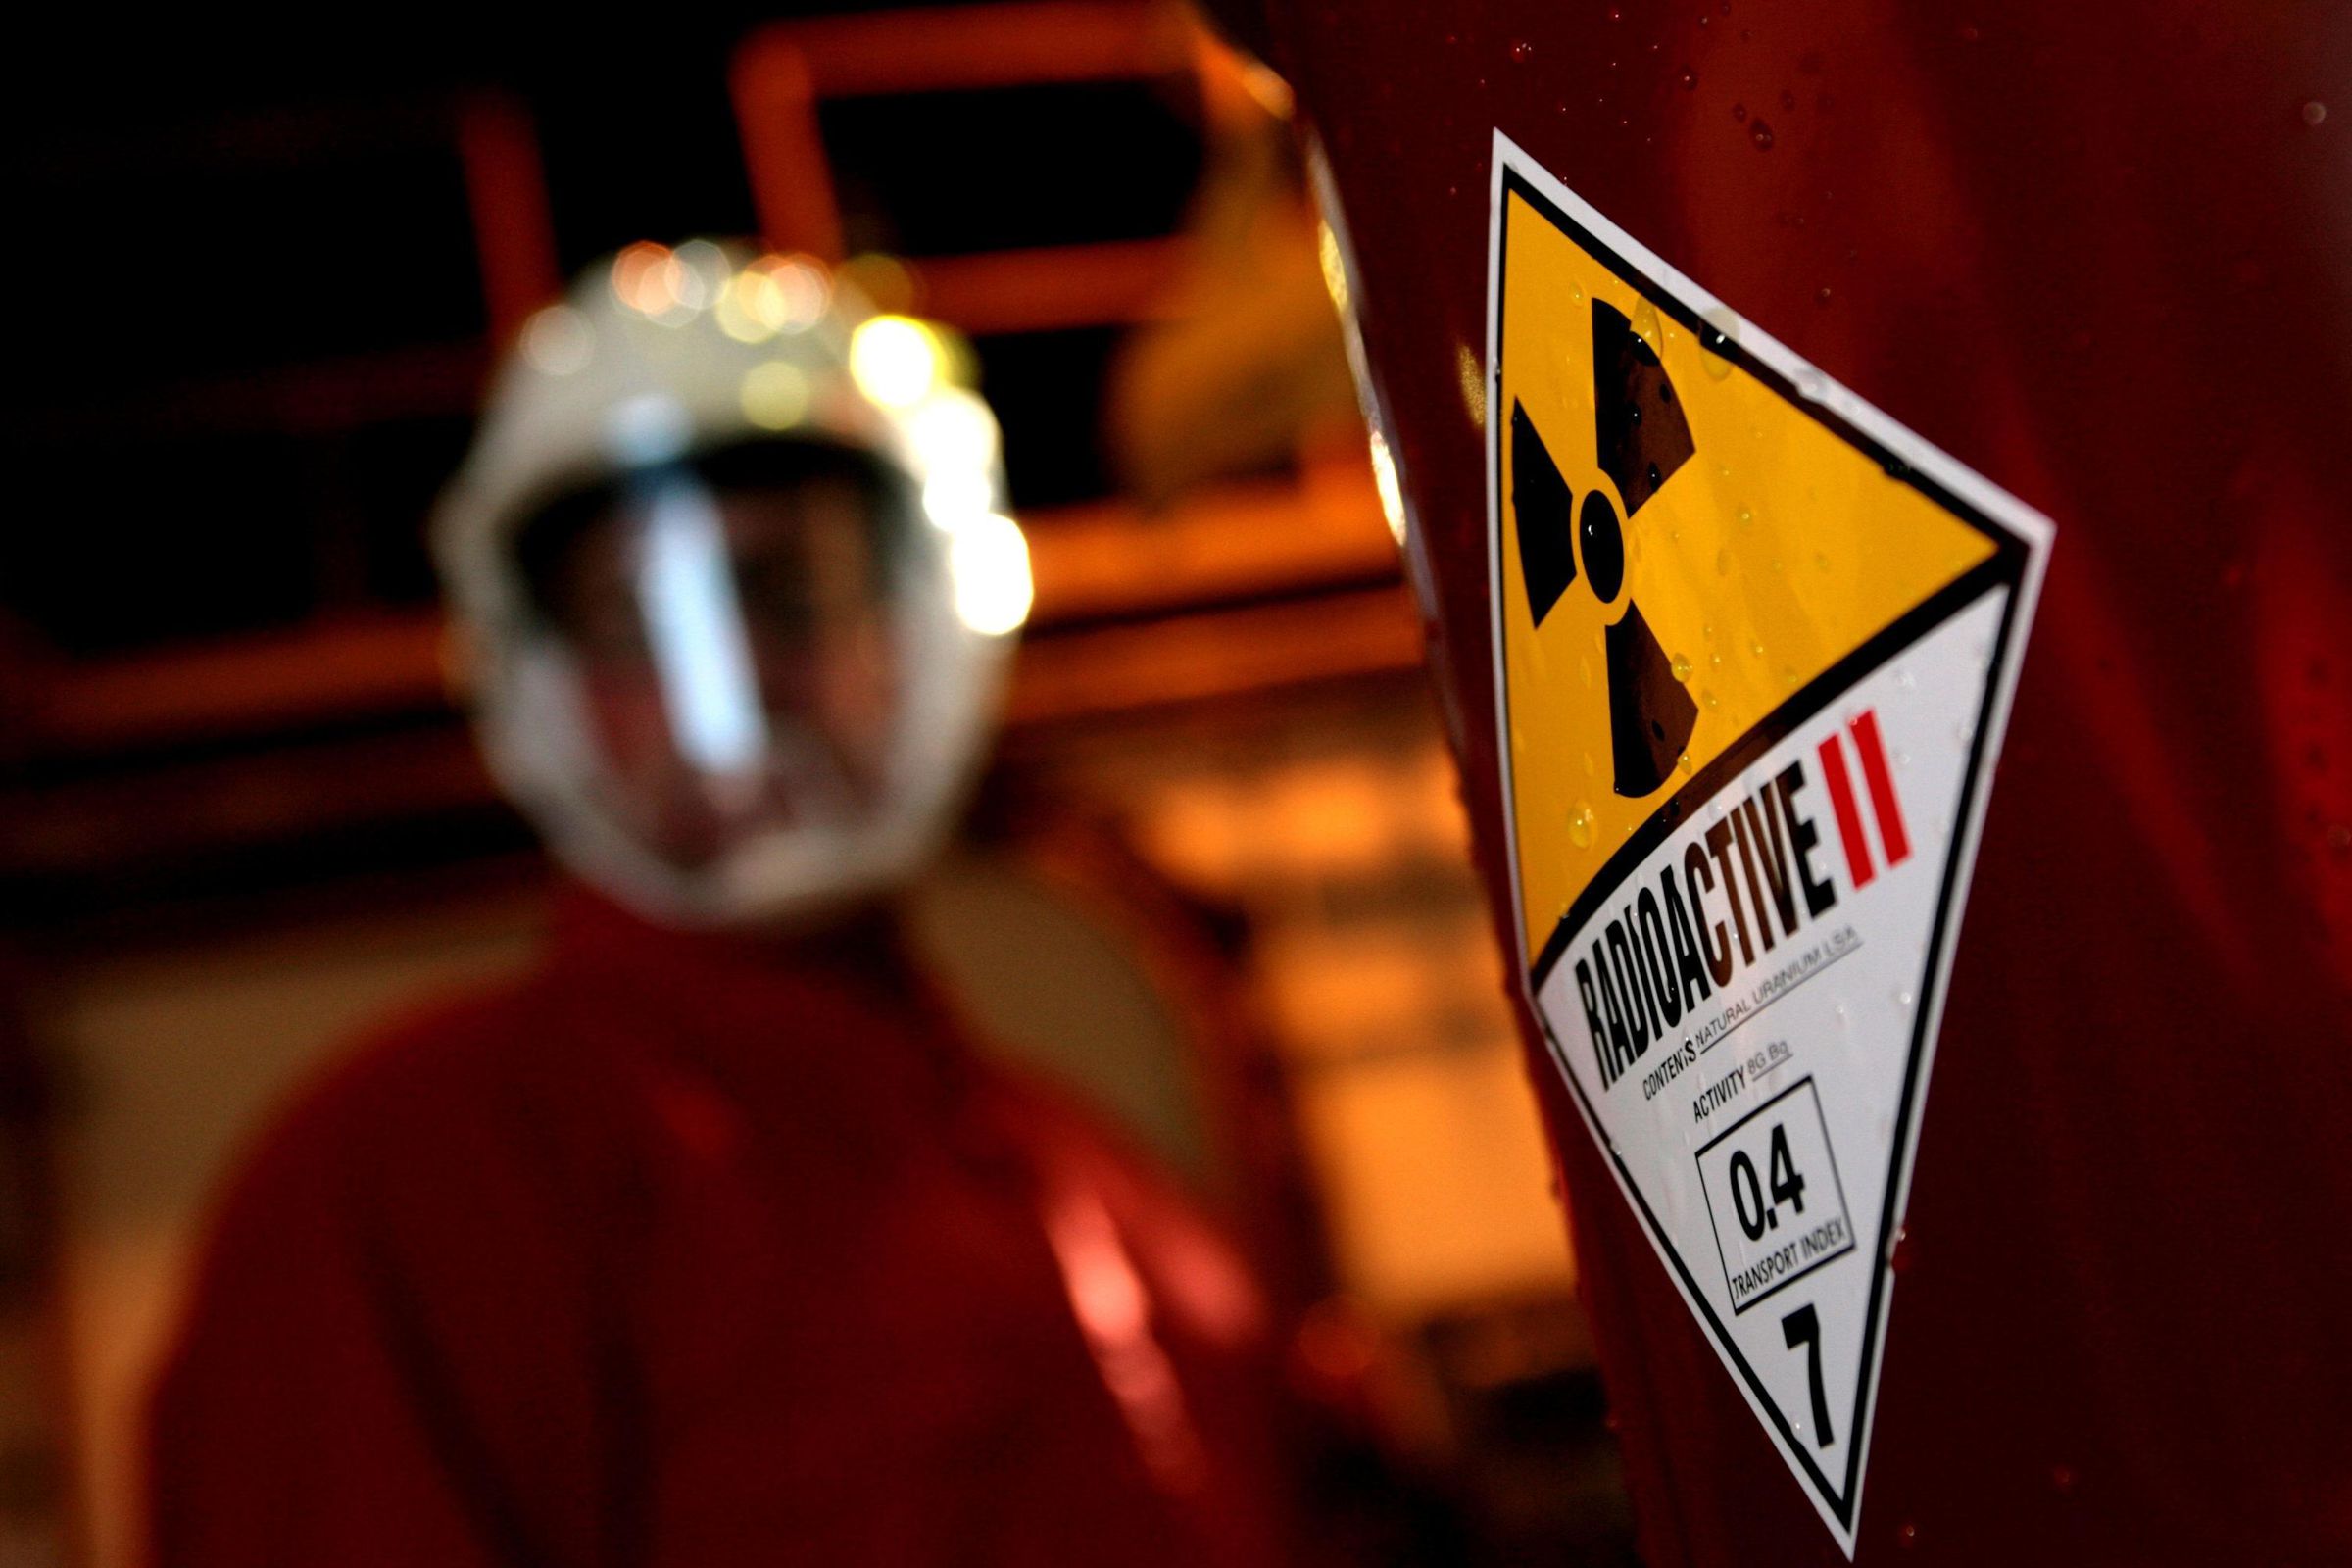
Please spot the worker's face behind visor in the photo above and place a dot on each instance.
(733, 644)
(734, 649)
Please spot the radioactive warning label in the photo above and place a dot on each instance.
(1754, 644)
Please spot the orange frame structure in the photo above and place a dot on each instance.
(782, 73)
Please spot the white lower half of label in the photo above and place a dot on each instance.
(1745, 1018)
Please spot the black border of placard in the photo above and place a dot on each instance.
(2004, 568)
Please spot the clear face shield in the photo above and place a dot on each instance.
(747, 683)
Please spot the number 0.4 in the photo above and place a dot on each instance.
(1747, 1188)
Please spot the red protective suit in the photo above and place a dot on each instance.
(686, 1251)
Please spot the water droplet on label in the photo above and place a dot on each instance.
(1755, 650)
(1712, 701)
(1580, 826)
(1721, 333)
(1588, 768)
(1684, 762)
(1761, 134)
(1522, 51)
(1739, 112)
(1645, 326)
(1822, 296)
(1907, 1536)
(2313, 111)
(1821, 560)
(1681, 667)
(1788, 99)
(2062, 1477)
(1689, 79)
(1903, 997)
(1777, 564)
(1583, 669)
(1810, 386)
(1746, 517)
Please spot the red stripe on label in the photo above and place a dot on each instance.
(1873, 752)
(1849, 817)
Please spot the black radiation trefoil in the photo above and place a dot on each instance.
(1641, 439)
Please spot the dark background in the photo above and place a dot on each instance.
(216, 223)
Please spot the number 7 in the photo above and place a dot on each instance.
(1803, 1327)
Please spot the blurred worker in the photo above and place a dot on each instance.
(710, 1241)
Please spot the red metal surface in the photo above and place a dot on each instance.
(2107, 261)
